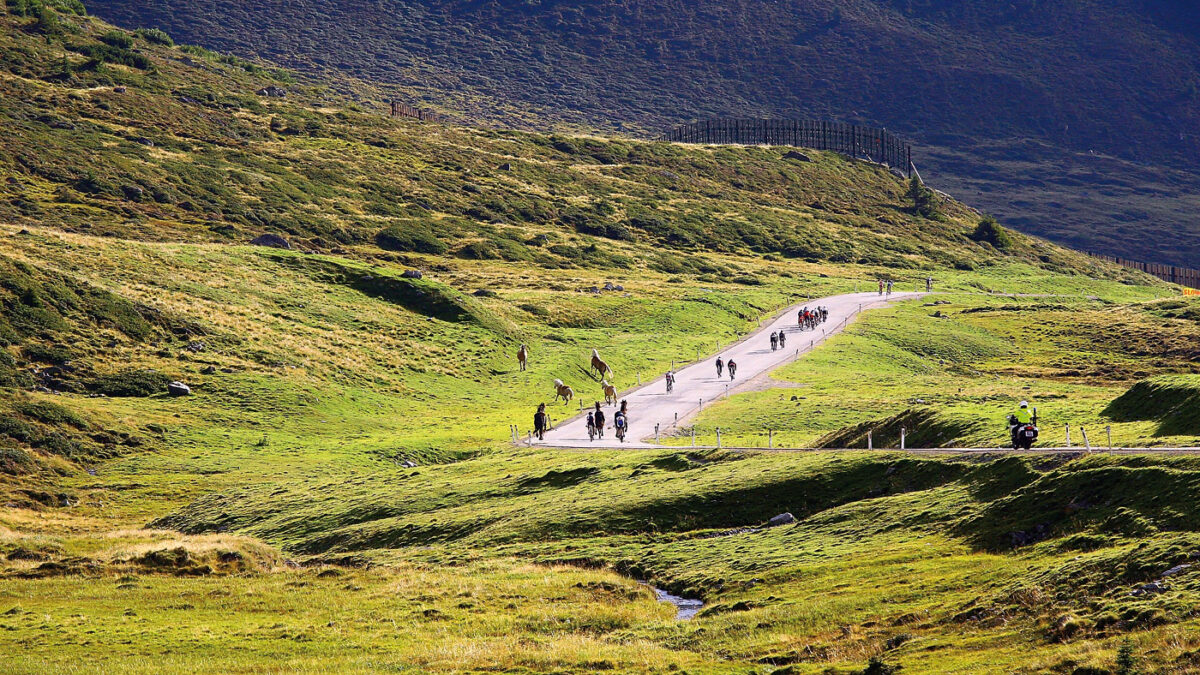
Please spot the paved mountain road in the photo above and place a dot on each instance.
(651, 404)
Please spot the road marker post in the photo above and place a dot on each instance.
(1068, 435)
(1108, 430)
(1086, 442)
(693, 437)
(655, 432)
(902, 437)
(718, 438)
(770, 439)
(676, 420)
(870, 441)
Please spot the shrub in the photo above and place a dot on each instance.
(925, 202)
(415, 239)
(117, 38)
(51, 413)
(155, 36)
(992, 232)
(130, 383)
(16, 462)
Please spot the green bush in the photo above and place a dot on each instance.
(117, 38)
(51, 413)
(415, 239)
(155, 36)
(992, 232)
(16, 462)
(925, 201)
(130, 383)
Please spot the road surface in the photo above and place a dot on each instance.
(698, 385)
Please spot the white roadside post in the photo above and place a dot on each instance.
(870, 442)
(693, 437)
(529, 441)
(902, 438)
(1086, 442)
(676, 424)
(1108, 430)
(718, 438)
(1068, 434)
(770, 439)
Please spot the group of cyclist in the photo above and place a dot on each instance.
(596, 420)
(728, 366)
(778, 340)
(811, 318)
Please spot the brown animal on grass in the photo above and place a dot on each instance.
(599, 365)
(610, 392)
(522, 356)
(563, 391)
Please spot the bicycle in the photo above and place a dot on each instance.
(591, 432)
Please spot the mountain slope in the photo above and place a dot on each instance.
(339, 491)
(1080, 108)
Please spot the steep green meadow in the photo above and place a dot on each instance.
(339, 492)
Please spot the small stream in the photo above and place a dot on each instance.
(685, 608)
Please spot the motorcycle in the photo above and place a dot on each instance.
(1023, 435)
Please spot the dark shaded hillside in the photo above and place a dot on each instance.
(1035, 87)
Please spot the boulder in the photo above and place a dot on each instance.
(272, 241)
(618, 287)
(209, 370)
(119, 90)
(196, 346)
(1176, 570)
(484, 293)
(179, 389)
(272, 91)
(798, 156)
(608, 286)
(781, 519)
(142, 140)
(506, 167)
(412, 274)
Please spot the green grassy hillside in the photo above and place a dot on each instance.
(1072, 120)
(339, 493)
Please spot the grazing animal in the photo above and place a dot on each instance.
(563, 391)
(610, 392)
(522, 356)
(599, 365)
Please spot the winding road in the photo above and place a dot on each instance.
(698, 385)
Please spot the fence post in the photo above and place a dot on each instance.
(676, 420)
(1068, 434)
(902, 438)
(655, 432)
(693, 437)
(870, 441)
(1108, 430)
(770, 439)
(529, 441)
(1086, 442)
(718, 438)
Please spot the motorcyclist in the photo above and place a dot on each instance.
(1020, 418)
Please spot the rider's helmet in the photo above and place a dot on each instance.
(1024, 404)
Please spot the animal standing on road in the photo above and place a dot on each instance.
(599, 365)
(610, 392)
(563, 391)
